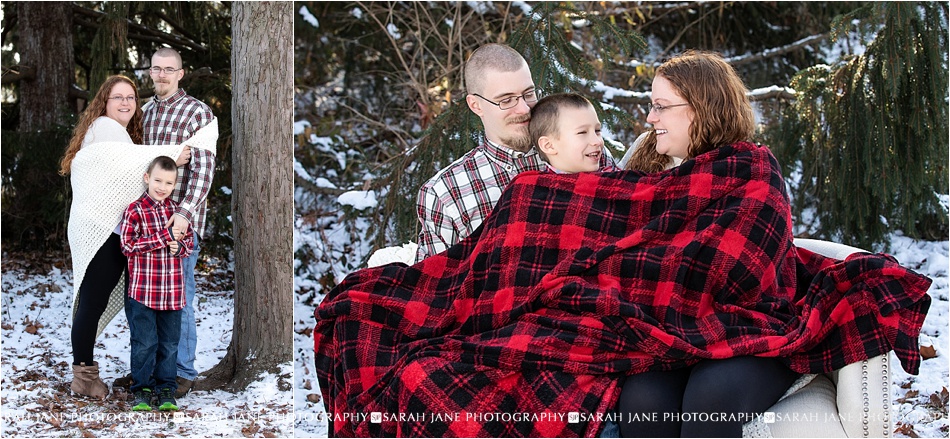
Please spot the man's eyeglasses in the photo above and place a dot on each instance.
(166, 70)
(511, 101)
(122, 98)
(659, 109)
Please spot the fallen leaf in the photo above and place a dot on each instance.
(269, 434)
(250, 430)
(928, 352)
(307, 385)
(313, 397)
(31, 329)
(910, 395)
(7, 326)
(940, 399)
(907, 430)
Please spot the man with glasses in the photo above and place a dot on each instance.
(172, 117)
(455, 201)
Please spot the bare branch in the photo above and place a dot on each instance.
(746, 59)
(18, 73)
(312, 187)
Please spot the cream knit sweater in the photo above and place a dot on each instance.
(106, 176)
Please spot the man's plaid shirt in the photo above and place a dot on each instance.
(155, 273)
(173, 121)
(455, 201)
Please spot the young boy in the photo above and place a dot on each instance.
(565, 129)
(156, 290)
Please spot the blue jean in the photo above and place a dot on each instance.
(154, 345)
(188, 343)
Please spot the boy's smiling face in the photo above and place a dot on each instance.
(578, 145)
(160, 183)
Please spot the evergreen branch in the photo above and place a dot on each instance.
(177, 27)
(136, 30)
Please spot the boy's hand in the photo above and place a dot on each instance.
(173, 246)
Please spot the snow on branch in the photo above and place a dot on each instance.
(769, 53)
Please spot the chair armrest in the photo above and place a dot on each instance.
(863, 396)
(826, 248)
(863, 388)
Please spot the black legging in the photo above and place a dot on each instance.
(710, 399)
(103, 273)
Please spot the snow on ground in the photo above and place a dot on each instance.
(36, 371)
(920, 402)
(920, 407)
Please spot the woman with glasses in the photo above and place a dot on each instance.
(699, 104)
(105, 161)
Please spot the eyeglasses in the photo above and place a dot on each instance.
(167, 70)
(119, 99)
(511, 101)
(659, 109)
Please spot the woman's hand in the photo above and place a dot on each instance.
(184, 157)
(173, 246)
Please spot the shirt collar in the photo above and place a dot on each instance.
(148, 202)
(505, 154)
(171, 99)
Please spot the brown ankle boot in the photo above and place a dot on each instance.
(86, 381)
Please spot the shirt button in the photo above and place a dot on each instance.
(509, 167)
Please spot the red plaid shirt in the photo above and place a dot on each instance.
(455, 201)
(173, 121)
(155, 273)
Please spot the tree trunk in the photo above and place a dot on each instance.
(46, 44)
(262, 203)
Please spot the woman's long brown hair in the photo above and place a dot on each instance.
(716, 96)
(97, 108)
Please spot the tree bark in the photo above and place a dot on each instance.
(46, 45)
(262, 203)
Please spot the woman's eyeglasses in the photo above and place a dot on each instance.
(123, 98)
(659, 109)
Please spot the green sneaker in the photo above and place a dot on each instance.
(166, 400)
(143, 401)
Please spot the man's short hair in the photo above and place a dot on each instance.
(164, 162)
(168, 51)
(545, 114)
(490, 56)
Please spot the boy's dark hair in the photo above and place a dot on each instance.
(544, 116)
(164, 162)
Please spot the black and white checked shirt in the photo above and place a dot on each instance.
(172, 121)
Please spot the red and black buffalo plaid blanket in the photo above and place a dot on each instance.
(527, 327)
